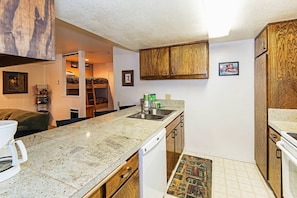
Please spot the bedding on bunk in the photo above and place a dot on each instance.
(98, 83)
(72, 79)
(99, 100)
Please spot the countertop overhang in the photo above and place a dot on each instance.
(283, 120)
(69, 161)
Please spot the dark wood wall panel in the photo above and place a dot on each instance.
(27, 28)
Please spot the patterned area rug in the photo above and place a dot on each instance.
(192, 179)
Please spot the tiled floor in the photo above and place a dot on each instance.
(235, 179)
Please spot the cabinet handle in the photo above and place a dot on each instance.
(127, 173)
(278, 153)
(173, 134)
(273, 137)
(264, 45)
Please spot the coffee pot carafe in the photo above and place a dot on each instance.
(9, 158)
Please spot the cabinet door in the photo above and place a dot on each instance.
(182, 128)
(189, 61)
(261, 113)
(261, 43)
(99, 193)
(274, 163)
(170, 153)
(154, 63)
(178, 142)
(130, 188)
(282, 65)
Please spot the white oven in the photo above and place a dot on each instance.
(288, 145)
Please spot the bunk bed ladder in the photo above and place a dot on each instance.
(91, 96)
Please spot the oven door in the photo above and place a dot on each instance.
(289, 168)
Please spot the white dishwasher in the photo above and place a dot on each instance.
(152, 167)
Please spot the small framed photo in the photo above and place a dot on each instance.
(74, 64)
(229, 68)
(15, 82)
(127, 78)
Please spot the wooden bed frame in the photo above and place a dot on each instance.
(91, 86)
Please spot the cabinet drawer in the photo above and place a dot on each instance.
(122, 175)
(273, 135)
(172, 125)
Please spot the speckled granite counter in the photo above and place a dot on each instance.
(69, 161)
(283, 119)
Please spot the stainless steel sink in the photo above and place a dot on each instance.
(164, 111)
(159, 116)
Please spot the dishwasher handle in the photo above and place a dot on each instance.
(152, 143)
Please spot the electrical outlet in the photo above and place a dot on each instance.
(167, 96)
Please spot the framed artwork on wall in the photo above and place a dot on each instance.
(15, 82)
(229, 68)
(128, 78)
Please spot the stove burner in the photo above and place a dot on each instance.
(294, 135)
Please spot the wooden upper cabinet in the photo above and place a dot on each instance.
(27, 31)
(261, 43)
(282, 65)
(189, 61)
(154, 63)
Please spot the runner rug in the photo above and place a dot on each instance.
(192, 179)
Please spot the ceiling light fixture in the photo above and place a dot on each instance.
(219, 16)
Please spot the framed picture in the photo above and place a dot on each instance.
(229, 68)
(74, 64)
(15, 82)
(127, 78)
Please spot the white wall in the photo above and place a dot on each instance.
(219, 112)
(60, 104)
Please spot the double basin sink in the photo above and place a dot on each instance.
(160, 115)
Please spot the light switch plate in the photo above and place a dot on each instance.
(167, 96)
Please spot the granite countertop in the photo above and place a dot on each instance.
(283, 119)
(69, 161)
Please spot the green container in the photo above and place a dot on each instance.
(145, 97)
(152, 98)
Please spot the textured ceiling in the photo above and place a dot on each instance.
(139, 24)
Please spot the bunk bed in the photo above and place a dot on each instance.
(96, 90)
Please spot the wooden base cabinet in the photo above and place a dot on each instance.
(123, 182)
(174, 143)
(274, 163)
